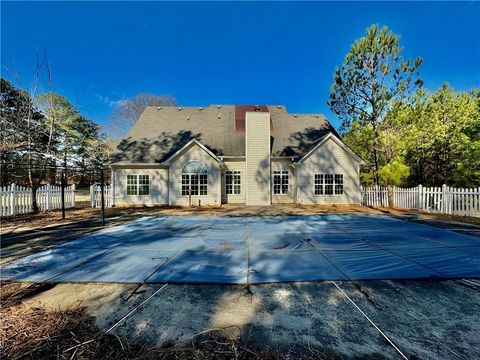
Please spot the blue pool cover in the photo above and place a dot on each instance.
(239, 250)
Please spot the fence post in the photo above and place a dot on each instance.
(420, 197)
(73, 195)
(62, 194)
(92, 200)
(102, 196)
(12, 199)
(443, 206)
(48, 189)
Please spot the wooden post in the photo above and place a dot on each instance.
(73, 195)
(62, 184)
(102, 195)
(92, 195)
(420, 197)
(12, 199)
(444, 207)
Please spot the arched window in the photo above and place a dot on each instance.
(194, 178)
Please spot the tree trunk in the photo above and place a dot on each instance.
(375, 148)
(376, 179)
(390, 195)
(34, 199)
(53, 173)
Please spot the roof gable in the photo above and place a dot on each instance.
(188, 145)
(323, 140)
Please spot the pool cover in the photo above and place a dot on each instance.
(239, 250)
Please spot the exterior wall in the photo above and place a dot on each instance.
(234, 165)
(257, 149)
(195, 152)
(283, 165)
(158, 187)
(332, 159)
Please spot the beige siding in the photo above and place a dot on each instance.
(330, 158)
(257, 147)
(158, 187)
(284, 165)
(195, 152)
(234, 165)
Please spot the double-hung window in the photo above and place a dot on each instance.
(280, 182)
(338, 184)
(138, 184)
(232, 182)
(328, 184)
(194, 178)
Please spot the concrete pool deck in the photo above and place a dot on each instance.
(255, 249)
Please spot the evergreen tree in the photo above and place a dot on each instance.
(372, 77)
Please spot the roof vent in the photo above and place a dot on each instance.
(179, 108)
(159, 108)
(316, 115)
(219, 106)
(219, 116)
(294, 115)
(279, 106)
(200, 108)
(256, 108)
(188, 117)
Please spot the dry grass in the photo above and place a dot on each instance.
(35, 333)
(83, 212)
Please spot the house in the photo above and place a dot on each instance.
(253, 155)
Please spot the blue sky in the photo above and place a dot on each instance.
(227, 53)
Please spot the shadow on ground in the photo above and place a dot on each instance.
(425, 319)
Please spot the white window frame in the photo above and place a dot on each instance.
(195, 183)
(137, 181)
(334, 180)
(281, 174)
(235, 187)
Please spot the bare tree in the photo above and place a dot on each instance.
(126, 112)
(33, 132)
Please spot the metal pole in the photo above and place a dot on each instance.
(102, 188)
(63, 193)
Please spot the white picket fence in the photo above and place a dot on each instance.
(16, 199)
(443, 200)
(96, 195)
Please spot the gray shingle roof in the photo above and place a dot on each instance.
(160, 132)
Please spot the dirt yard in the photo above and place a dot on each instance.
(84, 212)
(424, 319)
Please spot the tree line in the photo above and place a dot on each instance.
(42, 135)
(406, 135)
